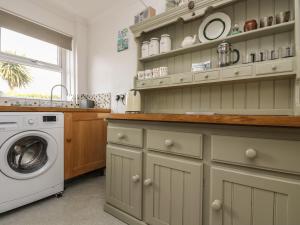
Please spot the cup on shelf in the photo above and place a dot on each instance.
(148, 74)
(266, 21)
(141, 75)
(283, 17)
(156, 72)
(163, 71)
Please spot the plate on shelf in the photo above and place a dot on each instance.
(215, 26)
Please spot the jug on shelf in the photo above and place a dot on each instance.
(188, 41)
(225, 54)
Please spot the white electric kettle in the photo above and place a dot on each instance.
(133, 102)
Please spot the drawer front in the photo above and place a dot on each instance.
(278, 66)
(161, 82)
(188, 144)
(281, 155)
(211, 75)
(125, 136)
(143, 83)
(182, 78)
(237, 72)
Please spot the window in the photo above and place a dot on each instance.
(29, 67)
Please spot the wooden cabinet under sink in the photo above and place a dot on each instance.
(85, 143)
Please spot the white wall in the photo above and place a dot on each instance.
(110, 71)
(66, 24)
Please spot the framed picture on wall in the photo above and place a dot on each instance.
(123, 40)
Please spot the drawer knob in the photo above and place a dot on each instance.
(121, 136)
(206, 76)
(69, 140)
(251, 153)
(237, 73)
(161, 82)
(135, 178)
(169, 143)
(181, 79)
(216, 205)
(274, 68)
(148, 182)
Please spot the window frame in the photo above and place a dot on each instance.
(60, 67)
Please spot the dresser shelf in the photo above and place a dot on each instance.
(261, 32)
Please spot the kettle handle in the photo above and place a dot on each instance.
(238, 56)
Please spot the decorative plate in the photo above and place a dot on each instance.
(215, 26)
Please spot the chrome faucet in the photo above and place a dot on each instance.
(58, 85)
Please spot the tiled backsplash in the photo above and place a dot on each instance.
(101, 101)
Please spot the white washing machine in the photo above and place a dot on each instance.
(31, 157)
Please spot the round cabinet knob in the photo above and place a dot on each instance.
(148, 182)
(69, 140)
(169, 143)
(30, 121)
(121, 136)
(161, 82)
(206, 76)
(251, 153)
(135, 178)
(181, 79)
(216, 205)
(236, 73)
(274, 68)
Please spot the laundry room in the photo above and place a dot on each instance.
(149, 112)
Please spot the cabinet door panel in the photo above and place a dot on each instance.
(174, 197)
(252, 199)
(121, 190)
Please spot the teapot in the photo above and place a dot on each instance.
(188, 41)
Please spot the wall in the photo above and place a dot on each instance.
(110, 71)
(63, 23)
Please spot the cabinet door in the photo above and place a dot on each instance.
(85, 143)
(173, 191)
(124, 180)
(240, 198)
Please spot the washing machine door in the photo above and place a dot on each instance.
(28, 154)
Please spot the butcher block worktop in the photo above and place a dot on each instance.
(276, 121)
(49, 109)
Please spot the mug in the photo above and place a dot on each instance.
(145, 49)
(163, 71)
(266, 21)
(156, 72)
(141, 75)
(283, 17)
(148, 74)
(154, 47)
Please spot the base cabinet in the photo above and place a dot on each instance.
(173, 191)
(124, 180)
(85, 143)
(247, 198)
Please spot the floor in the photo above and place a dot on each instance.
(81, 204)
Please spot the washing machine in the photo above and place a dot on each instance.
(31, 157)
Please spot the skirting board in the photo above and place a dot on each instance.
(122, 216)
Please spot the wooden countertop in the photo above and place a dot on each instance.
(49, 109)
(274, 121)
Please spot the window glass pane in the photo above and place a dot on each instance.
(28, 82)
(22, 45)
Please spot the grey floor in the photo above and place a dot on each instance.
(81, 204)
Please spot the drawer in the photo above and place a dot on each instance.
(209, 75)
(182, 78)
(125, 136)
(281, 155)
(180, 143)
(161, 82)
(143, 83)
(277, 66)
(241, 71)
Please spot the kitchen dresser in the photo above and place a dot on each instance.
(224, 169)
(161, 172)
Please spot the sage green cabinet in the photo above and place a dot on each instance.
(173, 191)
(123, 180)
(240, 198)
